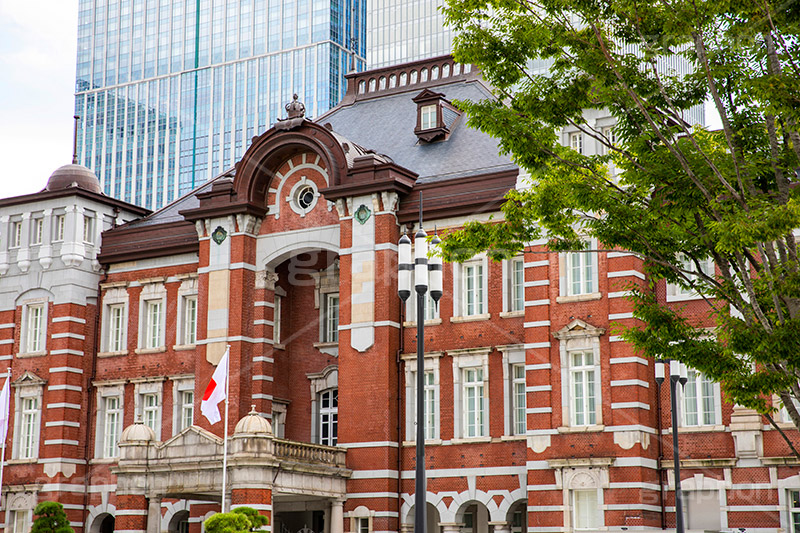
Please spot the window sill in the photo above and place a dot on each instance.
(279, 346)
(684, 297)
(112, 354)
(104, 461)
(512, 314)
(329, 348)
(471, 440)
(470, 318)
(23, 355)
(579, 298)
(431, 322)
(511, 438)
(144, 351)
(695, 429)
(428, 442)
(581, 429)
(30, 460)
(184, 347)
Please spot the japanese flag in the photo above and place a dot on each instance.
(216, 391)
(5, 396)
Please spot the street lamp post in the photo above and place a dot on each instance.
(423, 268)
(677, 374)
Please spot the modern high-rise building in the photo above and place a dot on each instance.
(406, 30)
(170, 92)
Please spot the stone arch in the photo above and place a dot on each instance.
(256, 170)
(97, 512)
(100, 522)
(474, 513)
(275, 256)
(171, 510)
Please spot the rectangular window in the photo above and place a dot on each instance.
(190, 320)
(187, 409)
(586, 513)
(153, 323)
(150, 410)
(611, 136)
(427, 117)
(29, 428)
(276, 321)
(794, 510)
(583, 380)
(576, 142)
(699, 403)
(34, 334)
(691, 272)
(116, 327)
(581, 272)
(702, 510)
(330, 330)
(430, 405)
(363, 525)
(329, 416)
(518, 417)
(473, 289)
(516, 285)
(19, 522)
(88, 228)
(111, 426)
(60, 223)
(16, 234)
(473, 402)
(38, 230)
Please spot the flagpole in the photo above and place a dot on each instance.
(225, 438)
(5, 436)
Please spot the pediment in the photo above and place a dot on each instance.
(193, 437)
(577, 329)
(28, 379)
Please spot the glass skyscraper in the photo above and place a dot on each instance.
(399, 31)
(170, 92)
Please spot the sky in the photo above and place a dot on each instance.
(38, 40)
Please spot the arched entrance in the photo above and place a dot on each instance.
(103, 523)
(179, 522)
(475, 517)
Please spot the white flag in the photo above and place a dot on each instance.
(5, 396)
(216, 391)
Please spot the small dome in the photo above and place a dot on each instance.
(73, 176)
(253, 424)
(137, 432)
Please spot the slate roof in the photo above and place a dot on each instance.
(386, 125)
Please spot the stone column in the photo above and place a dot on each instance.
(451, 527)
(337, 516)
(154, 514)
(501, 527)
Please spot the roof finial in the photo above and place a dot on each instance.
(75, 140)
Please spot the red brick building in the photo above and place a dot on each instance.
(538, 416)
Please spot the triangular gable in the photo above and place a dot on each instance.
(28, 379)
(578, 328)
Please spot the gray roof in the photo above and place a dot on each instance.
(386, 125)
(171, 212)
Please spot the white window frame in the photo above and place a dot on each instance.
(332, 414)
(584, 371)
(37, 230)
(89, 224)
(577, 475)
(104, 431)
(514, 285)
(15, 516)
(60, 221)
(152, 294)
(15, 234)
(793, 510)
(677, 293)
(567, 272)
(513, 356)
(114, 298)
(427, 117)
(276, 319)
(326, 282)
(580, 336)
(34, 342)
(27, 388)
(463, 360)
(431, 310)
(185, 336)
(181, 386)
(143, 391)
(698, 381)
(594, 512)
(432, 390)
(330, 327)
(460, 306)
(576, 141)
(279, 408)
(327, 379)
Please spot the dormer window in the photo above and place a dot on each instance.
(435, 116)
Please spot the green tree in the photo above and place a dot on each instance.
(678, 194)
(240, 520)
(50, 518)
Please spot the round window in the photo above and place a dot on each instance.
(305, 197)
